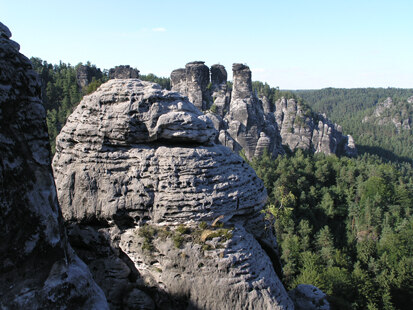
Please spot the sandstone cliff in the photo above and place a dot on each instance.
(163, 215)
(398, 114)
(38, 268)
(253, 124)
(299, 128)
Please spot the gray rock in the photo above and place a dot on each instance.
(398, 114)
(123, 72)
(178, 81)
(131, 155)
(256, 125)
(309, 297)
(38, 268)
(246, 120)
(220, 94)
(218, 76)
(193, 83)
(85, 74)
(242, 88)
(298, 129)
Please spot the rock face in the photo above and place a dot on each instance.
(123, 72)
(246, 122)
(149, 194)
(309, 297)
(299, 128)
(192, 82)
(85, 74)
(38, 268)
(398, 114)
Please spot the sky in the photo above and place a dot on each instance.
(294, 44)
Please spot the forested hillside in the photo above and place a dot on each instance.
(349, 107)
(344, 225)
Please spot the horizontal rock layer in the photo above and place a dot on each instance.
(133, 156)
(254, 124)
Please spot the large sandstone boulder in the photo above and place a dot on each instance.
(38, 268)
(175, 215)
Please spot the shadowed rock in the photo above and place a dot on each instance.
(85, 74)
(38, 268)
(123, 72)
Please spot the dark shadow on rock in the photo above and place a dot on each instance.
(115, 272)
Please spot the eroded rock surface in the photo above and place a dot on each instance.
(254, 124)
(309, 297)
(85, 74)
(38, 268)
(138, 166)
(123, 72)
(397, 113)
(300, 128)
(192, 82)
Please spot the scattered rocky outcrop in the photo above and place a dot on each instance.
(300, 128)
(85, 74)
(309, 297)
(123, 72)
(246, 122)
(163, 215)
(38, 268)
(398, 114)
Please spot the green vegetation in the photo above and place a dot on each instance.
(344, 225)
(163, 81)
(213, 108)
(61, 92)
(348, 107)
(181, 233)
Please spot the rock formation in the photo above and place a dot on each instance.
(253, 124)
(300, 128)
(398, 114)
(246, 121)
(309, 297)
(85, 74)
(123, 72)
(38, 268)
(193, 82)
(150, 198)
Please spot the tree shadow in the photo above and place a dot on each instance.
(383, 153)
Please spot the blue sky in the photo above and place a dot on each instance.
(292, 44)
